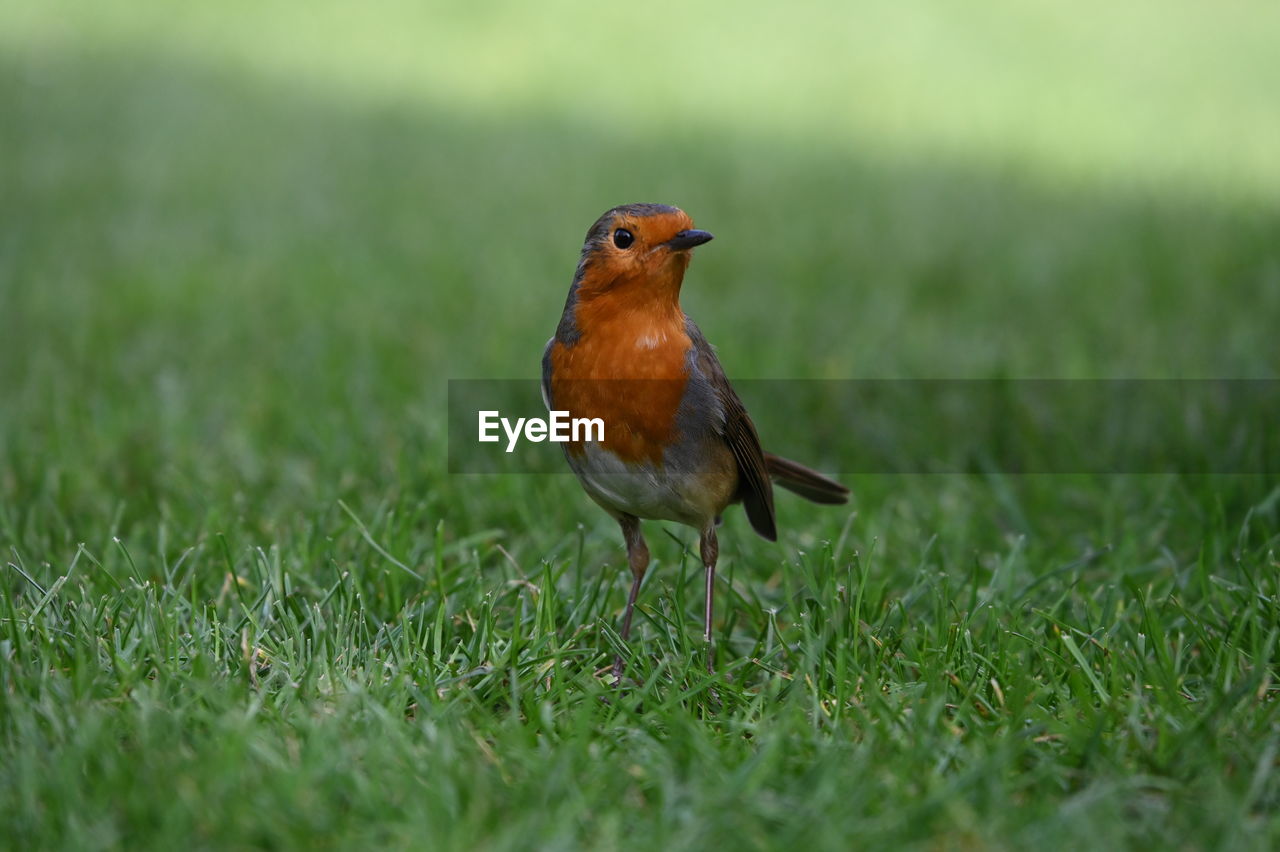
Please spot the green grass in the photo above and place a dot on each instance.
(244, 604)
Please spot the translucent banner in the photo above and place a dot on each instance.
(1201, 426)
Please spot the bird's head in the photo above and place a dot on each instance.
(640, 248)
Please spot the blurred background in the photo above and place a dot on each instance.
(243, 246)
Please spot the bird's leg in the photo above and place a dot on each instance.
(710, 550)
(638, 559)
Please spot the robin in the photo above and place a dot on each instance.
(678, 444)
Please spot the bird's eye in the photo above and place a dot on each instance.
(622, 238)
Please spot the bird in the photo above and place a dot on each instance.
(678, 444)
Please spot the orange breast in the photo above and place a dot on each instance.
(629, 370)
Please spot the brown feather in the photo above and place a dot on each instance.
(754, 488)
(809, 484)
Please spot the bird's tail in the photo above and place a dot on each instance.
(809, 484)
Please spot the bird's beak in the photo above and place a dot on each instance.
(688, 239)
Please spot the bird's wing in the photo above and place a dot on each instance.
(754, 485)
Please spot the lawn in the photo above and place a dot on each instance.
(244, 604)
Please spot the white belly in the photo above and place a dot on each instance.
(647, 490)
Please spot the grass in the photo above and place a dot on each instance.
(245, 605)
